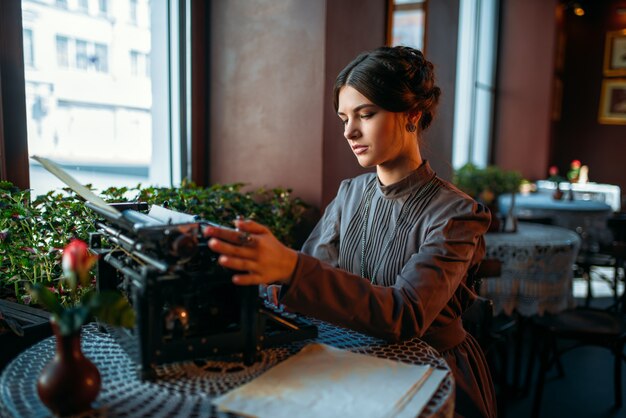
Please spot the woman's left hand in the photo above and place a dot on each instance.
(253, 250)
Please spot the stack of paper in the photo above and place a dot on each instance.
(322, 381)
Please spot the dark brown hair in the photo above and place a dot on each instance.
(398, 79)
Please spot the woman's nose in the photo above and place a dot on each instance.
(350, 131)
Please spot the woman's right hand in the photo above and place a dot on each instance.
(261, 257)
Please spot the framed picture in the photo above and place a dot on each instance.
(615, 53)
(613, 102)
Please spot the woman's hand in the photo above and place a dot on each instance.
(254, 250)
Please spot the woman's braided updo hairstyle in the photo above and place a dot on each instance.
(398, 79)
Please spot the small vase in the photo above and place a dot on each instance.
(558, 193)
(70, 382)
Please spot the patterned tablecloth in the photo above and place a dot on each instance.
(186, 389)
(537, 269)
(588, 218)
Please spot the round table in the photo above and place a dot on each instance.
(537, 269)
(588, 218)
(186, 389)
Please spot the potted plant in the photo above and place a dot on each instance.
(486, 185)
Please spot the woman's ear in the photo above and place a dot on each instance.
(415, 118)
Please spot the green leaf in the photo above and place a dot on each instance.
(46, 298)
(111, 307)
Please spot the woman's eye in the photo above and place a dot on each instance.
(366, 115)
(344, 122)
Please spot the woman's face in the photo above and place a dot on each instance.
(377, 137)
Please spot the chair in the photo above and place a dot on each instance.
(603, 257)
(478, 318)
(582, 326)
(492, 333)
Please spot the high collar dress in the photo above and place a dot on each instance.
(392, 261)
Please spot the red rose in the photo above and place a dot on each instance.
(77, 261)
(575, 164)
(553, 170)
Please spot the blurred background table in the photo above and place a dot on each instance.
(607, 193)
(588, 218)
(186, 389)
(537, 269)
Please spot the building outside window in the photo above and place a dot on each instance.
(96, 119)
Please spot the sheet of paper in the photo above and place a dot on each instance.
(322, 381)
(73, 184)
(420, 397)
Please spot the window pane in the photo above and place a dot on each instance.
(82, 60)
(134, 63)
(101, 59)
(103, 7)
(133, 11)
(408, 28)
(83, 6)
(29, 59)
(85, 109)
(62, 51)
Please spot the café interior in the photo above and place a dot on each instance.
(533, 92)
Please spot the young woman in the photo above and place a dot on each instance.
(391, 254)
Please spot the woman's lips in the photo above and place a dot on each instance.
(359, 149)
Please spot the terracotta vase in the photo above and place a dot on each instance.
(70, 382)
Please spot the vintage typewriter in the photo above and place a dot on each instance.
(186, 304)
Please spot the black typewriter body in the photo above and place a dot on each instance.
(185, 303)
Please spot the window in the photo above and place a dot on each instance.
(103, 7)
(407, 23)
(29, 56)
(475, 83)
(101, 58)
(139, 64)
(107, 131)
(134, 63)
(61, 3)
(62, 51)
(82, 59)
(83, 6)
(133, 11)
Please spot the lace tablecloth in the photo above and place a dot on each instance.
(537, 269)
(186, 389)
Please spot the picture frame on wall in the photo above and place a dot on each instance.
(615, 53)
(612, 110)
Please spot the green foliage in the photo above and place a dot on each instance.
(33, 234)
(486, 183)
